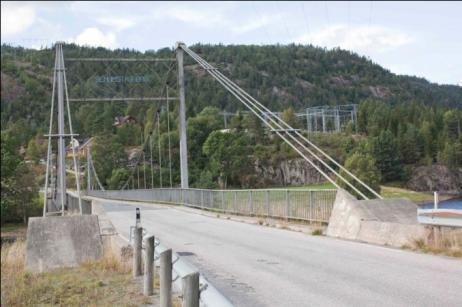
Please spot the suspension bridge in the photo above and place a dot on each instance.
(252, 265)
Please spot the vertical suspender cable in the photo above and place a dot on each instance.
(138, 172)
(152, 170)
(169, 142)
(160, 153)
(94, 172)
(144, 169)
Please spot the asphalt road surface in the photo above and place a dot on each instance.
(262, 266)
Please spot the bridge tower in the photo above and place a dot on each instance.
(182, 119)
(58, 201)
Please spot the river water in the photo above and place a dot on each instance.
(447, 204)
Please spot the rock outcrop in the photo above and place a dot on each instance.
(287, 172)
(436, 178)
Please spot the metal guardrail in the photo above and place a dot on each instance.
(440, 217)
(296, 204)
(209, 295)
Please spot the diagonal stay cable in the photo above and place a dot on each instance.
(218, 75)
(240, 98)
(304, 138)
(276, 123)
(210, 67)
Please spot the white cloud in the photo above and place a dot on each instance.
(96, 38)
(255, 23)
(118, 23)
(16, 17)
(201, 15)
(363, 38)
(198, 17)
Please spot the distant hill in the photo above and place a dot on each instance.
(279, 76)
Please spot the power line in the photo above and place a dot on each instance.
(283, 21)
(306, 19)
(348, 14)
(326, 10)
(261, 18)
(370, 15)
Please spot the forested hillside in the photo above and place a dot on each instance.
(403, 121)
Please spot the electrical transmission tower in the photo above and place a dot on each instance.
(55, 202)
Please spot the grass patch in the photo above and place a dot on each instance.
(10, 227)
(322, 186)
(394, 192)
(317, 232)
(106, 282)
(447, 244)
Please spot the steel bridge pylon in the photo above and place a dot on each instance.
(56, 201)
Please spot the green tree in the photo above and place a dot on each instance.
(36, 149)
(227, 157)
(288, 115)
(411, 145)
(118, 177)
(10, 157)
(18, 184)
(364, 167)
(107, 154)
(451, 155)
(452, 123)
(254, 127)
(429, 140)
(198, 129)
(385, 153)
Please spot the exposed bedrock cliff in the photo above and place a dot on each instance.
(287, 172)
(436, 178)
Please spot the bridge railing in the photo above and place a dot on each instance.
(297, 204)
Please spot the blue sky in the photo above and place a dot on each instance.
(415, 38)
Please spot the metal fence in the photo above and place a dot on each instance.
(298, 204)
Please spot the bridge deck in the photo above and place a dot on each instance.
(261, 266)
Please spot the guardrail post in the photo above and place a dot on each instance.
(212, 200)
(235, 201)
(223, 201)
(436, 200)
(311, 207)
(287, 205)
(202, 199)
(166, 278)
(137, 251)
(251, 203)
(149, 266)
(267, 203)
(191, 290)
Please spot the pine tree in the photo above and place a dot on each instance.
(387, 157)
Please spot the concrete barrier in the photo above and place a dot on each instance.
(380, 221)
(73, 204)
(62, 241)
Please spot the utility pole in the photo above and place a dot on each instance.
(182, 115)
